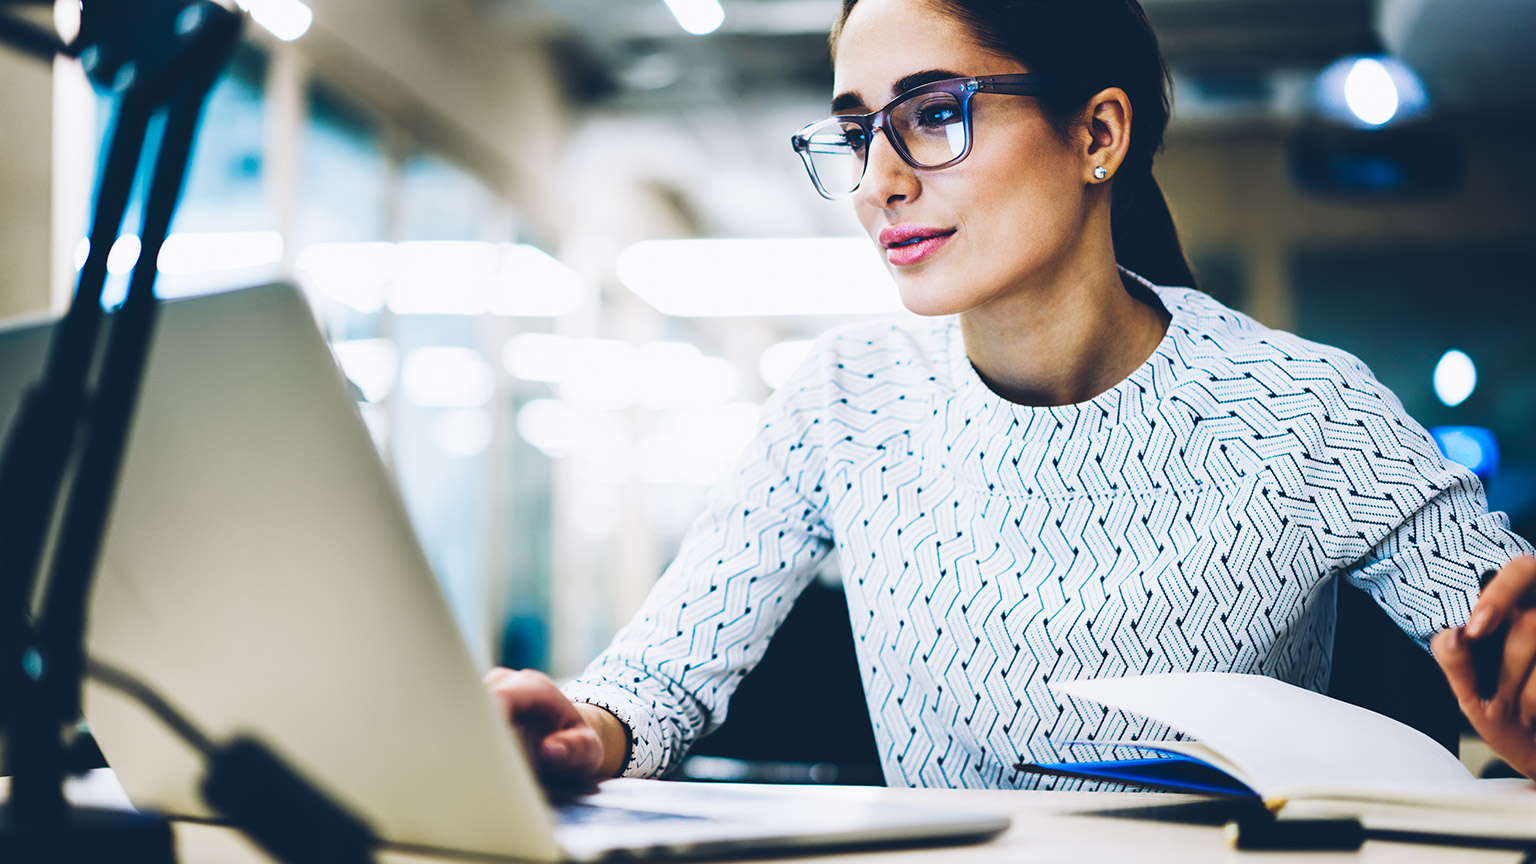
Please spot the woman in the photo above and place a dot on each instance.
(1064, 471)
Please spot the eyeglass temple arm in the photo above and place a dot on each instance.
(1034, 84)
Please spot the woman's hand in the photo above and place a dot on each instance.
(1507, 722)
(567, 742)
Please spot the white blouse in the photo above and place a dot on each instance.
(1190, 518)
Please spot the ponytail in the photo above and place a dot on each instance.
(1146, 240)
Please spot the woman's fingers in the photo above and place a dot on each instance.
(555, 736)
(1525, 702)
(530, 698)
(1519, 651)
(1455, 658)
(1515, 583)
(495, 682)
(1508, 720)
(574, 752)
(1503, 732)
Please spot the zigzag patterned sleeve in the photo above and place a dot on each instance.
(1423, 571)
(670, 672)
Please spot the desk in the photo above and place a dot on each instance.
(1047, 827)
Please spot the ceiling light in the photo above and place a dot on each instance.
(1472, 446)
(66, 19)
(353, 274)
(549, 425)
(214, 252)
(443, 278)
(531, 283)
(371, 364)
(539, 356)
(447, 378)
(706, 278)
(698, 17)
(1369, 92)
(679, 375)
(463, 431)
(123, 255)
(1455, 378)
(285, 19)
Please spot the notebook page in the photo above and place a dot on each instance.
(1506, 796)
(1281, 736)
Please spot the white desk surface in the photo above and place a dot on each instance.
(1047, 827)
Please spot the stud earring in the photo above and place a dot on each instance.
(1100, 172)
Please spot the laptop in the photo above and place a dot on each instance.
(261, 577)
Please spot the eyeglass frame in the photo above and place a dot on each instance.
(1018, 84)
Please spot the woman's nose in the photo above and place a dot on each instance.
(888, 179)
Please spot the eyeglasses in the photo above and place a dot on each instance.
(929, 127)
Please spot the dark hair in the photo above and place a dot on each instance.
(1108, 43)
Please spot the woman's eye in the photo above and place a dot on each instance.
(857, 139)
(937, 115)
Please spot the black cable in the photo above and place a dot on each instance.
(255, 790)
(115, 678)
(28, 38)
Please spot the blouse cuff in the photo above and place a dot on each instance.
(648, 750)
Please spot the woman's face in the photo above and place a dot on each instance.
(1007, 217)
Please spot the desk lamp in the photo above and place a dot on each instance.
(153, 57)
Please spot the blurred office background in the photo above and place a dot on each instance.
(564, 251)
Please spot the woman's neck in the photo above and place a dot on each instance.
(1065, 343)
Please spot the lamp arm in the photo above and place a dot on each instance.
(30, 39)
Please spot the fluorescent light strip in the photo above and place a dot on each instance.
(718, 278)
(447, 278)
(285, 19)
(699, 17)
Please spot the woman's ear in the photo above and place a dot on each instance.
(1108, 137)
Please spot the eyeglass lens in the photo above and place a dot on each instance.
(930, 127)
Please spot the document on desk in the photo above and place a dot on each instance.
(1308, 755)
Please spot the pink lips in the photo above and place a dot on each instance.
(906, 245)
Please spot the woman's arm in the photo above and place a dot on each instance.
(1416, 524)
(1423, 567)
(670, 672)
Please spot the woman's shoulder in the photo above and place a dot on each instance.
(896, 333)
(859, 378)
(889, 349)
(1223, 341)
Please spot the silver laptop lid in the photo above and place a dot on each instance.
(261, 575)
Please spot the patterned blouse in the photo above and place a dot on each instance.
(1190, 518)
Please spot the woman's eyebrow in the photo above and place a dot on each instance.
(845, 103)
(918, 79)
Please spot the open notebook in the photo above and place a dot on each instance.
(1304, 754)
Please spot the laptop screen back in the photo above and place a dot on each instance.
(261, 576)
